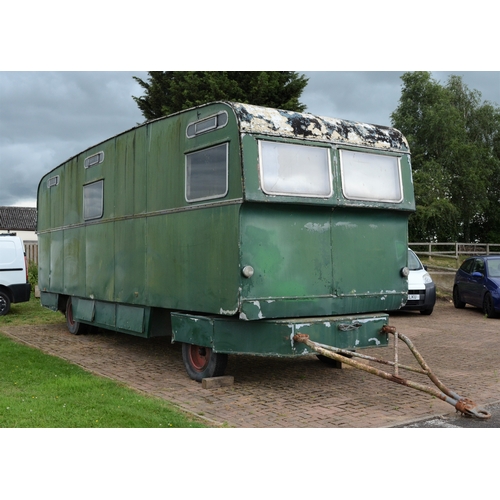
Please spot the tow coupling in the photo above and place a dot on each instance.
(463, 405)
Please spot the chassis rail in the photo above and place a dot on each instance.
(463, 405)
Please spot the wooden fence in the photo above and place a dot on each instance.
(31, 249)
(454, 250)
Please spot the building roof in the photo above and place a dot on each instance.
(18, 218)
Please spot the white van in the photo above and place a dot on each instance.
(421, 288)
(14, 285)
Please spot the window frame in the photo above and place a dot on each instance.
(219, 123)
(261, 166)
(87, 208)
(371, 199)
(187, 177)
(89, 161)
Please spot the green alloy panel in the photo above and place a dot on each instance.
(317, 261)
(275, 337)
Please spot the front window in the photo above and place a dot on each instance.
(493, 267)
(206, 173)
(295, 170)
(413, 261)
(467, 266)
(371, 177)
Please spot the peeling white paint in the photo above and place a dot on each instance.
(299, 326)
(377, 341)
(292, 326)
(327, 324)
(227, 312)
(243, 316)
(270, 301)
(346, 224)
(364, 320)
(320, 228)
(256, 303)
(257, 119)
(357, 342)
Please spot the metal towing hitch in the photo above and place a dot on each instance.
(463, 405)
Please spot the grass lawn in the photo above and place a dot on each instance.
(42, 391)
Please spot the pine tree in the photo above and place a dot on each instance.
(166, 92)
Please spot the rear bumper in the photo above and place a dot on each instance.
(275, 337)
(21, 292)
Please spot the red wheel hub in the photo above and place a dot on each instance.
(199, 357)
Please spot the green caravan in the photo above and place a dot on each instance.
(230, 227)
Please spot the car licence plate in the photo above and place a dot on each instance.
(413, 296)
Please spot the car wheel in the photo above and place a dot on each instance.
(488, 306)
(201, 362)
(74, 327)
(456, 299)
(4, 304)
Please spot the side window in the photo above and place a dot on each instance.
(90, 161)
(93, 200)
(467, 266)
(206, 173)
(479, 266)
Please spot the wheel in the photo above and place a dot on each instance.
(427, 312)
(74, 327)
(456, 299)
(202, 362)
(488, 306)
(4, 303)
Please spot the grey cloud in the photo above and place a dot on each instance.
(47, 117)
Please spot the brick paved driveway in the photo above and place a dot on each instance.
(461, 347)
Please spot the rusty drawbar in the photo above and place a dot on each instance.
(463, 405)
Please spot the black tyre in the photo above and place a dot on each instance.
(456, 299)
(427, 312)
(488, 306)
(4, 303)
(202, 362)
(74, 327)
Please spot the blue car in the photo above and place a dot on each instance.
(477, 283)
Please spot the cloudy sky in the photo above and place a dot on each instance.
(47, 117)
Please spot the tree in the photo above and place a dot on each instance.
(167, 92)
(455, 144)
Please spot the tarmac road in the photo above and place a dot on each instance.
(462, 348)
